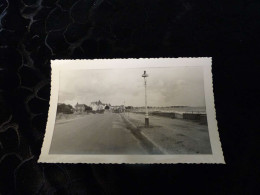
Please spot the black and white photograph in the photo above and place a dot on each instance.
(148, 109)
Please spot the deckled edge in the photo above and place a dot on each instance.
(216, 142)
(48, 121)
(215, 114)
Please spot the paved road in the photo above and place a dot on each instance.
(94, 134)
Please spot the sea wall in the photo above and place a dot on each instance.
(202, 118)
(164, 114)
(179, 115)
(191, 116)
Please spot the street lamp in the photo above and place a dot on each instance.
(146, 110)
(124, 107)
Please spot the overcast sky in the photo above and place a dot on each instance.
(175, 86)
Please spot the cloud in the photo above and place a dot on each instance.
(165, 86)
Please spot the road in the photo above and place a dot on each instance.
(95, 134)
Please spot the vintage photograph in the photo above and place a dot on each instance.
(144, 109)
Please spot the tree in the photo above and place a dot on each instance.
(87, 108)
(64, 108)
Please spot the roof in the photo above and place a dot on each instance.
(79, 105)
(97, 103)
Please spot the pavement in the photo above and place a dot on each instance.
(173, 136)
(95, 134)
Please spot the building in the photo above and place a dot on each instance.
(79, 108)
(118, 109)
(98, 105)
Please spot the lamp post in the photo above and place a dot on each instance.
(124, 107)
(146, 110)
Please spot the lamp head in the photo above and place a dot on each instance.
(145, 75)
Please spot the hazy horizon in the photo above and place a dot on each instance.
(174, 86)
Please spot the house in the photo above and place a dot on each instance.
(79, 108)
(98, 105)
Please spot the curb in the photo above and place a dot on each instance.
(148, 144)
(155, 144)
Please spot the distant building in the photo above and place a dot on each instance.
(118, 109)
(80, 108)
(98, 105)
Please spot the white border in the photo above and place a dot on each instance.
(57, 65)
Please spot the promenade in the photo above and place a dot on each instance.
(173, 136)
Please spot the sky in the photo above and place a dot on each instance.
(174, 86)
